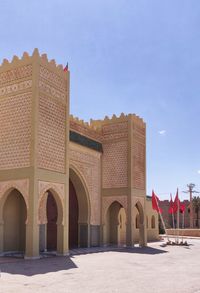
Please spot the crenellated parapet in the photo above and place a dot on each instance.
(85, 128)
(98, 124)
(26, 59)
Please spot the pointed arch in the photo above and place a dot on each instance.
(115, 224)
(42, 215)
(13, 215)
(4, 195)
(141, 223)
(79, 199)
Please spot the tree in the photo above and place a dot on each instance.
(196, 206)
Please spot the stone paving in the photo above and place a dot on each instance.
(154, 269)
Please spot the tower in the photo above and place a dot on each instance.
(34, 137)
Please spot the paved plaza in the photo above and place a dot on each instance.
(157, 268)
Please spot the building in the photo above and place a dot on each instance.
(184, 218)
(65, 183)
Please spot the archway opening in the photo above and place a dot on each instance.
(115, 232)
(153, 222)
(52, 217)
(140, 223)
(73, 216)
(79, 211)
(14, 218)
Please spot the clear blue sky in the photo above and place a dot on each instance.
(128, 56)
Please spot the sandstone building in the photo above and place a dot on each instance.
(65, 183)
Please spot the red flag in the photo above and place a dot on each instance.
(66, 68)
(155, 201)
(182, 208)
(176, 202)
(171, 206)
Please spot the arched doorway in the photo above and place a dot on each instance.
(73, 216)
(79, 211)
(50, 213)
(140, 224)
(52, 217)
(115, 225)
(14, 219)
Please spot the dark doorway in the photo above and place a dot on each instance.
(73, 216)
(52, 216)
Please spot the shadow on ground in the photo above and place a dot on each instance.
(138, 250)
(58, 263)
(40, 266)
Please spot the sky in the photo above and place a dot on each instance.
(126, 56)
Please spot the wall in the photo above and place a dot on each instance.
(152, 233)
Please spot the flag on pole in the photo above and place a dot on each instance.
(66, 68)
(171, 206)
(155, 203)
(176, 204)
(182, 208)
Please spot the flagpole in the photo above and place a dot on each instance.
(182, 224)
(162, 220)
(178, 220)
(173, 222)
(172, 212)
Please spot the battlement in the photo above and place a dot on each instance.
(28, 59)
(85, 128)
(98, 124)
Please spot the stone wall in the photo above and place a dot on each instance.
(139, 156)
(115, 155)
(15, 116)
(52, 121)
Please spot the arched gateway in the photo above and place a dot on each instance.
(70, 183)
(50, 213)
(79, 210)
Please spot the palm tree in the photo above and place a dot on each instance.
(196, 206)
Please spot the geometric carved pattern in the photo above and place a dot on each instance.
(16, 73)
(108, 200)
(52, 134)
(88, 164)
(9, 89)
(114, 163)
(53, 78)
(50, 90)
(44, 186)
(15, 123)
(115, 131)
(138, 153)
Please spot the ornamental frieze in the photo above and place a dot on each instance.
(9, 89)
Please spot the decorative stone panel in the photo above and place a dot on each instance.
(53, 78)
(13, 88)
(44, 186)
(15, 125)
(115, 131)
(139, 154)
(21, 185)
(52, 91)
(52, 135)
(88, 164)
(15, 74)
(114, 164)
